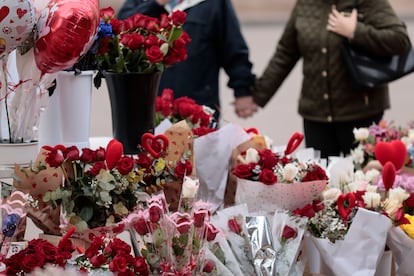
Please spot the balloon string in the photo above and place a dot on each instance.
(13, 87)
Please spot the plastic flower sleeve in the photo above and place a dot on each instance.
(402, 247)
(13, 210)
(261, 244)
(212, 153)
(287, 232)
(360, 251)
(232, 222)
(220, 268)
(189, 190)
(222, 250)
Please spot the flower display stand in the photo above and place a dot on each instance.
(18, 153)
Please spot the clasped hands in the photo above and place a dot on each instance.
(245, 106)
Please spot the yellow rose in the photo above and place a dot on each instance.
(409, 228)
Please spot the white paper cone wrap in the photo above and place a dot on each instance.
(402, 247)
(360, 252)
(261, 197)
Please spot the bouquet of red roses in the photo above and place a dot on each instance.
(279, 180)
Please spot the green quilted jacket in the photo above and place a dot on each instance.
(327, 94)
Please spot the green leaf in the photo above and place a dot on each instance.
(175, 33)
(86, 213)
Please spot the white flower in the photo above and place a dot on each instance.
(289, 172)
(372, 200)
(411, 135)
(359, 175)
(190, 187)
(105, 177)
(331, 194)
(358, 155)
(359, 185)
(252, 156)
(398, 194)
(361, 134)
(268, 142)
(371, 188)
(372, 175)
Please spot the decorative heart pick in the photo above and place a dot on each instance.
(294, 142)
(346, 204)
(113, 153)
(388, 175)
(251, 130)
(394, 151)
(154, 144)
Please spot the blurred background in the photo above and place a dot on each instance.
(262, 23)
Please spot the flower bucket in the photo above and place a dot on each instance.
(132, 97)
(18, 153)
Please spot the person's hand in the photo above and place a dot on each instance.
(342, 24)
(245, 106)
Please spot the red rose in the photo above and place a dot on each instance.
(306, 211)
(183, 168)
(268, 159)
(140, 225)
(155, 213)
(118, 246)
(88, 155)
(183, 225)
(31, 261)
(71, 153)
(244, 171)
(178, 17)
(118, 264)
(212, 232)
(133, 40)
(151, 40)
(267, 177)
(234, 226)
(167, 95)
(208, 266)
(100, 154)
(97, 167)
(98, 260)
(46, 250)
(289, 233)
(54, 159)
(125, 165)
(140, 266)
(315, 173)
(199, 218)
(409, 202)
(201, 131)
(154, 54)
(399, 217)
(143, 161)
(106, 13)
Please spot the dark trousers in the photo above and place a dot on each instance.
(334, 139)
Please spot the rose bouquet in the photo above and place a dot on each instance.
(173, 242)
(100, 186)
(199, 117)
(140, 43)
(280, 180)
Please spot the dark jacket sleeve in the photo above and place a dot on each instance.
(147, 7)
(282, 62)
(234, 52)
(380, 30)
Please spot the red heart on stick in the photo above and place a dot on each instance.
(388, 175)
(294, 142)
(251, 130)
(394, 151)
(348, 200)
(154, 144)
(113, 153)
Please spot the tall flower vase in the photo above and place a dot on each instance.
(67, 117)
(132, 97)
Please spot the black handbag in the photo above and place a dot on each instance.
(370, 71)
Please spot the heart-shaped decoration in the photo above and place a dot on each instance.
(251, 130)
(21, 29)
(388, 175)
(394, 151)
(4, 11)
(113, 153)
(294, 142)
(21, 12)
(346, 204)
(154, 144)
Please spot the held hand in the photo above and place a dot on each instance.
(342, 24)
(162, 2)
(245, 106)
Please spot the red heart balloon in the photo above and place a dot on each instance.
(394, 151)
(113, 153)
(348, 200)
(154, 144)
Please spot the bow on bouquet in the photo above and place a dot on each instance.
(279, 180)
(351, 228)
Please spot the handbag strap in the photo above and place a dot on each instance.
(355, 4)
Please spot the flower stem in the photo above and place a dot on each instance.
(8, 120)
